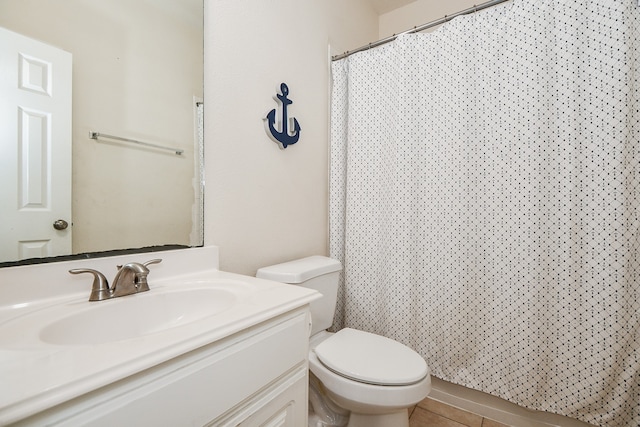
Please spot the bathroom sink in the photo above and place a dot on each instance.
(133, 316)
(136, 315)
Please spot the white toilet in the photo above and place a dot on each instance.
(375, 378)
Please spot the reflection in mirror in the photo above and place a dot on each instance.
(126, 68)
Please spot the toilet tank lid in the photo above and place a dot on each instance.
(300, 270)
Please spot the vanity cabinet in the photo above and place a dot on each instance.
(256, 377)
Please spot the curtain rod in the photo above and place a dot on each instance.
(423, 27)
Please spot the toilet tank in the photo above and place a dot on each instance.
(315, 272)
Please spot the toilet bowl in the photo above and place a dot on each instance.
(379, 390)
(375, 378)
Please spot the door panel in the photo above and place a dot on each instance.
(35, 148)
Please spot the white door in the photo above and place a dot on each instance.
(35, 148)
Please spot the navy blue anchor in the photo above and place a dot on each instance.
(284, 137)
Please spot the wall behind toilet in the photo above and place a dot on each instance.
(263, 204)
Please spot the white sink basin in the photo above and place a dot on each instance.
(136, 315)
(132, 316)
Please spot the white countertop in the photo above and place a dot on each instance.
(36, 376)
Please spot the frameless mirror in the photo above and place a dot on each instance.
(101, 137)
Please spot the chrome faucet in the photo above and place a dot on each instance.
(131, 278)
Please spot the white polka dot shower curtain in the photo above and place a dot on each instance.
(484, 201)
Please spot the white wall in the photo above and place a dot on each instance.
(263, 204)
(418, 13)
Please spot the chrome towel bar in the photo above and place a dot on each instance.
(96, 135)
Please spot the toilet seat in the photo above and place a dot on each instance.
(371, 359)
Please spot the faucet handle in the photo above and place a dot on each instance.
(100, 288)
(153, 261)
(141, 283)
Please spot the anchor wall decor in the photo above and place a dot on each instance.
(281, 133)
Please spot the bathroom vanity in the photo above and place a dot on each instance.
(202, 347)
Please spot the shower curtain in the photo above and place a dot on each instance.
(484, 201)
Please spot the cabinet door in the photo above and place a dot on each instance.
(283, 404)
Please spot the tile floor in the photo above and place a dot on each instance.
(431, 413)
